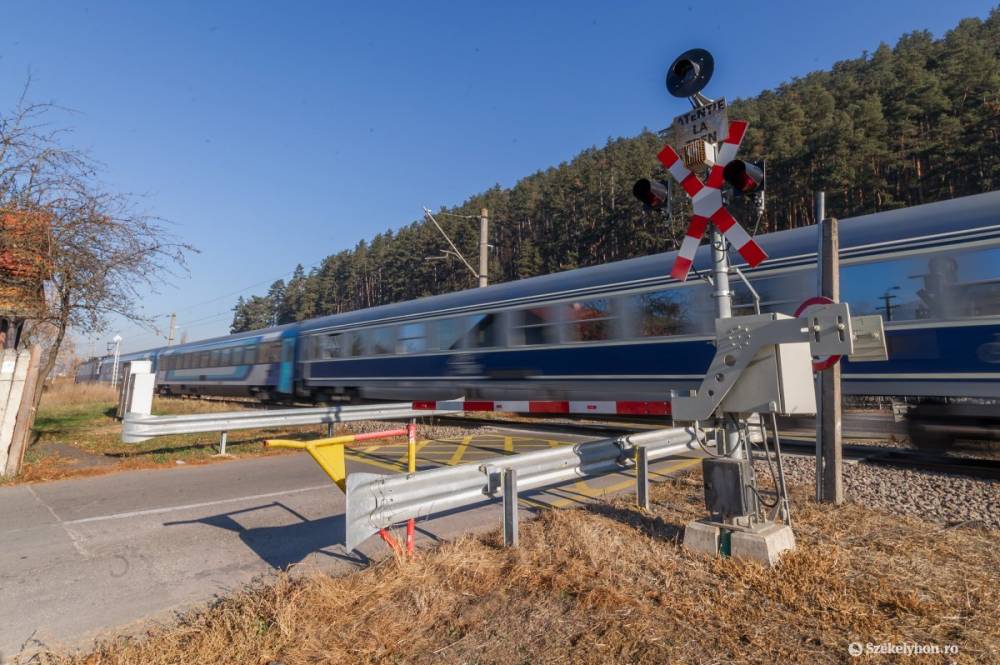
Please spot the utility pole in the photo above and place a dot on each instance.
(484, 247)
(114, 368)
(455, 251)
(170, 330)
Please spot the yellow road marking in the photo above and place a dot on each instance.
(460, 451)
(417, 448)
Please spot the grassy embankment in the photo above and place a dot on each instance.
(608, 584)
(75, 433)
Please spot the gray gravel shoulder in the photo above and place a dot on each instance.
(938, 497)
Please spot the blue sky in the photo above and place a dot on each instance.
(276, 133)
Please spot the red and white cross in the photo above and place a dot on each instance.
(706, 198)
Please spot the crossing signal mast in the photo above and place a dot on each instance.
(705, 141)
(763, 362)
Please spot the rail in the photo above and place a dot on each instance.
(377, 501)
(138, 427)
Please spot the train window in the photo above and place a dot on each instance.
(383, 341)
(250, 355)
(355, 343)
(538, 325)
(482, 331)
(214, 361)
(273, 351)
(329, 346)
(202, 360)
(941, 285)
(679, 311)
(591, 320)
(782, 293)
(412, 338)
(448, 333)
(237, 358)
(225, 357)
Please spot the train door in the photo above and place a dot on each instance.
(286, 370)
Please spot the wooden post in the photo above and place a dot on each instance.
(25, 416)
(830, 394)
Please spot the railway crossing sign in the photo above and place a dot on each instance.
(706, 123)
(706, 199)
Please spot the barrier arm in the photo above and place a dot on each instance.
(329, 453)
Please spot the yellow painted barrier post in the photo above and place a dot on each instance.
(411, 466)
(329, 454)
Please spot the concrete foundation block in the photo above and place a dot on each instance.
(701, 537)
(763, 544)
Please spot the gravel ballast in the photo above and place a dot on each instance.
(939, 497)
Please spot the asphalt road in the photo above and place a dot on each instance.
(88, 557)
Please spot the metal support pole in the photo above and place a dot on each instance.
(830, 389)
(222, 443)
(730, 441)
(331, 430)
(484, 247)
(642, 477)
(411, 458)
(510, 507)
(170, 330)
(720, 274)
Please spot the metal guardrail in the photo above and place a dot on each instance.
(377, 501)
(138, 427)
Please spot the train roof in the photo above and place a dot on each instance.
(978, 212)
(187, 346)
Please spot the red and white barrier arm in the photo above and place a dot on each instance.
(621, 408)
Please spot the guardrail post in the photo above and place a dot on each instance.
(222, 444)
(411, 465)
(642, 476)
(510, 507)
(330, 430)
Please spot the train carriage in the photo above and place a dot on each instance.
(627, 330)
(259, 363)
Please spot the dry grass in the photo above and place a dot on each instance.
(610, 584)
(63, 394)
(81, 416)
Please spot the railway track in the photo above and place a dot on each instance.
(969, 466)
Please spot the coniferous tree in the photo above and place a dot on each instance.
(898, 126)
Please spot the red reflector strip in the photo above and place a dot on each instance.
(477, 406)
(548, 407)
(424, 406)
(643, 408)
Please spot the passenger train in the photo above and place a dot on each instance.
(627, 330)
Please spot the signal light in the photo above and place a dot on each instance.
(745, 177)
(689, 73)
(652, 193)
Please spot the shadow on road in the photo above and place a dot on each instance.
(283, 546)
